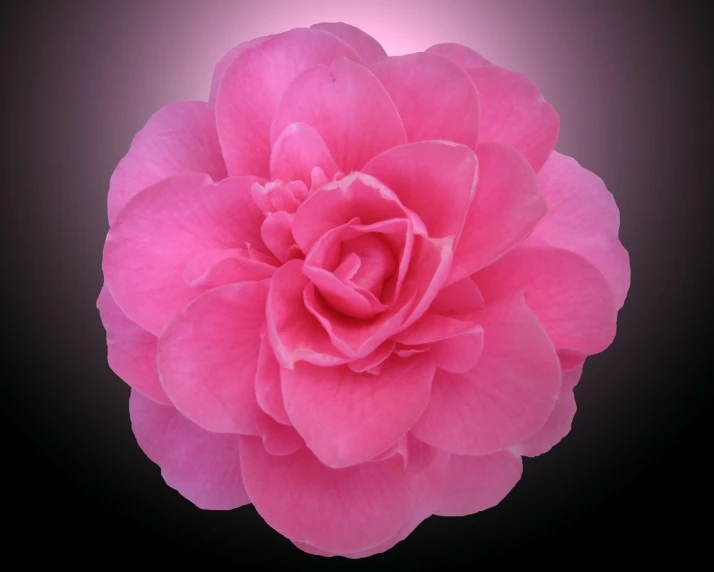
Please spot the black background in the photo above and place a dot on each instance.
(628, 482)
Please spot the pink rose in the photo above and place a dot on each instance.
(354, 289)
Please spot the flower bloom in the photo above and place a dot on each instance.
(355, 289)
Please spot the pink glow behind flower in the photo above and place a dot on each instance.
(371, 278)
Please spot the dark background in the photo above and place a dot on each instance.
(634, 91)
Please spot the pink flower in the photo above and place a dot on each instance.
(354, 289)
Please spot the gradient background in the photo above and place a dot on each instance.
(634, 94)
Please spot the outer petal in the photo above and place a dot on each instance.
(336, 510)
(224, 63)
(252, 87)
(474, 484)
(162, 230)
(505, 209)
(513, 111)
(559, 422)
(350, 109)
(208, 357)
(297, 151)
(436, 99)
(131, 350)
(569, 295)
(506, 398)
(178, 138)
(582, 217)
(347, 418)
(462, 55)
(204, 467)
(435, 179)
(365, 45)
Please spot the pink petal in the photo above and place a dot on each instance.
(278, 439)
(557, 427)
(348, 418)
(202, 466)
(505, 209)
(569, 295)
(513, 111)
(208, 357)
(348, 107)
(267, 384)
(354, 196)
(178, 138)
(225, 266)
(506, 398)
(435, 179)
(371, 363)
(252, 87)
(354, 266)
(336, 510)
(227, 60)
(460, 353)
(131, 350)
(428, 269)
(582, 217)
(294, 333)
(297, 151)
(474, 484)
(459, 299)
(162, 230)
(436, 99)
(427, 483)
(365, 45)
(560, 420)
(462, 55)
(277, 234)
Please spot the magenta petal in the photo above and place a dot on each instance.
(294, 333)
(365, 45)
(435, 179)
(202, 466)
(267, 384)
(506, 397)
(178, 138)
(571, 298)
(462, 55)
(131, 350)
(582, 217)
(505, 209)
(336, 510)
(348, 418)
(349, 108)
(474, 484)
(162, 230)
(252, 87)
(208, 357)
(297, 151)
(513, 111)
(436, 99)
